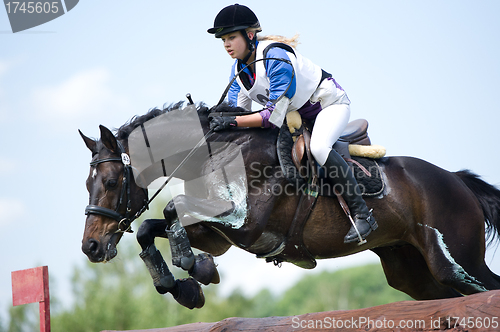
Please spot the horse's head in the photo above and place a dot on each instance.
(111, 186)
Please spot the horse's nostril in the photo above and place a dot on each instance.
(93, 245)
(90, 247)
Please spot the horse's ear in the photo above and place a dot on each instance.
(89, 142)
(108, 139)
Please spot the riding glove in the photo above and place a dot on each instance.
(222, 122)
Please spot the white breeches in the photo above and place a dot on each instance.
(329, 125)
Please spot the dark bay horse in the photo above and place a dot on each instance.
(433, 224)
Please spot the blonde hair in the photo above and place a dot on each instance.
(293, 41)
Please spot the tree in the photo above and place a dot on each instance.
(121, 295)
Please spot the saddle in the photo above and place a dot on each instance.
(299, 167)
(354, 145)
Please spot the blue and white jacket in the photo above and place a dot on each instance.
(271, 79)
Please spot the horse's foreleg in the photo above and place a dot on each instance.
(186, 292)
(202, 266)
(163, 279)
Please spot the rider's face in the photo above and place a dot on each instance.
(235, 45)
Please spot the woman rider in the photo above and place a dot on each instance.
(312, 91)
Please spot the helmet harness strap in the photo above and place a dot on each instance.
(250, 43)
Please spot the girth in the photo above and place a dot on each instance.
(293, 250)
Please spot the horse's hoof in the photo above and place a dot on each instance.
(162, 290)
(190, 293)
(205, 270)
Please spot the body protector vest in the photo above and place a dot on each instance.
(307, 75)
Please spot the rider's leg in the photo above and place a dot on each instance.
(328, 127)
(341, 174)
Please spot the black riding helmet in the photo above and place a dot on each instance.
(234, 18)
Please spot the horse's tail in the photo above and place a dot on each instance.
(489, 199)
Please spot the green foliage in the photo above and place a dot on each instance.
(23, 318)
(353, 288)
(117, 295)
(120, 296)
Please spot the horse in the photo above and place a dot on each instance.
(433, 224)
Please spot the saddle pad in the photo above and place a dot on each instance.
(372, 185)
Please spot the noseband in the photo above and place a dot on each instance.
(124, 222)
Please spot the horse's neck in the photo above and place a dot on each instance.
(258, 146)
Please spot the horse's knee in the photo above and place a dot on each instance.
(144, 236)
(149, 229)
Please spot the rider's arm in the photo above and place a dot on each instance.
(281, 78)
(280, 74)
(251, 120)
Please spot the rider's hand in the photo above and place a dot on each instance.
(270, 106)
(223, 122)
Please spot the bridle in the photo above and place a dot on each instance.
(124, 221)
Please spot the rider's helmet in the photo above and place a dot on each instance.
(234, 18)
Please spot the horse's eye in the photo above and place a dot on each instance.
(111, 183)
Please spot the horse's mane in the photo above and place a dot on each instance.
(125, 130)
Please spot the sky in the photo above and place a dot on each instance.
(425, 74)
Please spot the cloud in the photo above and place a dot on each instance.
(84, 94)
(11, 210)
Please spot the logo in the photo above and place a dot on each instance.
(25, 15)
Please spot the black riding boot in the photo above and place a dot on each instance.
(340, 174)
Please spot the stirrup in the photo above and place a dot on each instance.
(372, 223)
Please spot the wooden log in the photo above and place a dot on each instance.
(478, 312)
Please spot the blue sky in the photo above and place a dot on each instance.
(424, 73)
